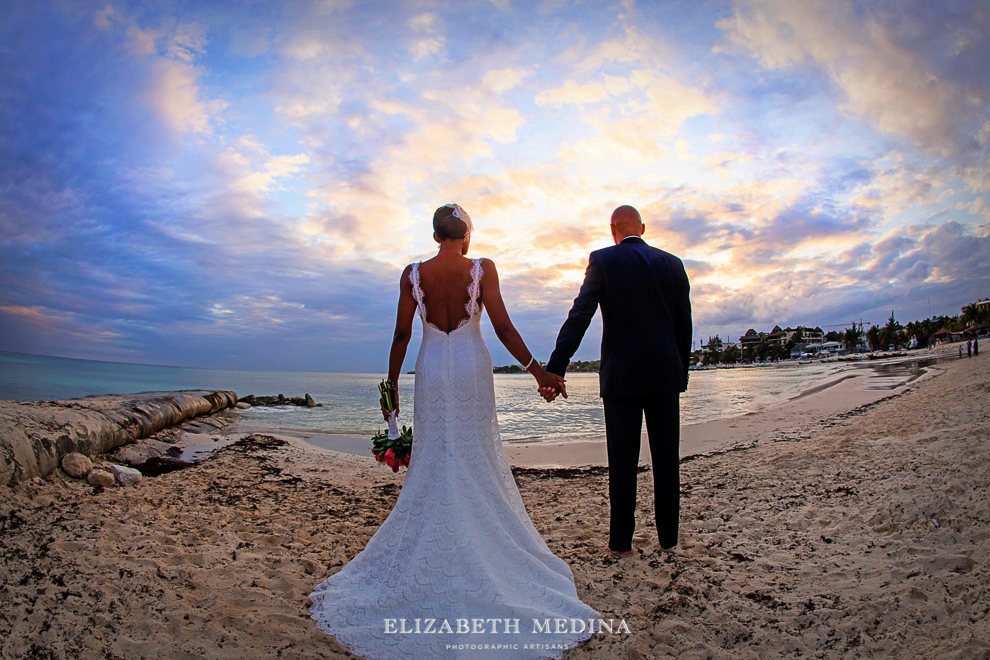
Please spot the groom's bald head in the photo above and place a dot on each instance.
(626, 221)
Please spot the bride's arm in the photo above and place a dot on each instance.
(403, 332)
(491, 296)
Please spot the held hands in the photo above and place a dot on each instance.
(550, 385)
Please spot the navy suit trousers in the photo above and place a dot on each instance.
(623, 430)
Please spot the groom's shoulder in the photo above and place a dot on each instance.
(666, 255)
(674, 262)
(609, 251)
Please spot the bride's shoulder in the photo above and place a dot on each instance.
(488, 271)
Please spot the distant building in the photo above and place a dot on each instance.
(813, 335)
(982, 303)
(778, 336)
(804, 340)
(750, 340)
(944, 336)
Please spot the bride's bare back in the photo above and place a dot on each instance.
(445, 284)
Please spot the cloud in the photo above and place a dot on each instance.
(142, 40)
(425, 22)
(260, 177)
(172, 86)
(174, 91)
(50, 322)
(102, 17)
(502, 80)
(894, 87)
(187, 42)
(423, 48)
(978, 207)
(572, 93)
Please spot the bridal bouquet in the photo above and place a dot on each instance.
(394, 453)
(392, 449)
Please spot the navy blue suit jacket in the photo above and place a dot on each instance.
(646, 318)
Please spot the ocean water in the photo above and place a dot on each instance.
(350, 401)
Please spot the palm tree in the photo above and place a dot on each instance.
(974, 315)
(873, 336)
(852, 337)
(763, 347)
(713, 349)
(731, 355)
(887, 336)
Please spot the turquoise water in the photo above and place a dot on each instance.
(350, 401)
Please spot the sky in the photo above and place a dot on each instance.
(239, 185)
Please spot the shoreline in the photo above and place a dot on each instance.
(555, 449)
(804, 414)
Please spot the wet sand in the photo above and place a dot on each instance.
(860, 534)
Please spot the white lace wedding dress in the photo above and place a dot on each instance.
(458, 544)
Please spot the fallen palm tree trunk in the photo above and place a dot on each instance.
(36, 435)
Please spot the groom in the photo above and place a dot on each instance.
(646, 343)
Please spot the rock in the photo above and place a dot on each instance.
(126, 475)
(77, 465)
(278, 400)
(196, 426)
(243, 405)
(100, 477)
(140, 452)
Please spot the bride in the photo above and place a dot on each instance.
(458, 554)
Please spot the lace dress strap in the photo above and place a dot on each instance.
(474, 290)
(417, 291)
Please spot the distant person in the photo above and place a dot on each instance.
(969, 348)
(976, 345)
(646, 345)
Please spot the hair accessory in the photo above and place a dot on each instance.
(461, 215)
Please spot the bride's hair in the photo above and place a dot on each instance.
(451, 221)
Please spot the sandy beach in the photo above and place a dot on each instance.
(808, 530)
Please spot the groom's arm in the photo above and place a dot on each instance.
(578, 319)
(683, 326)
